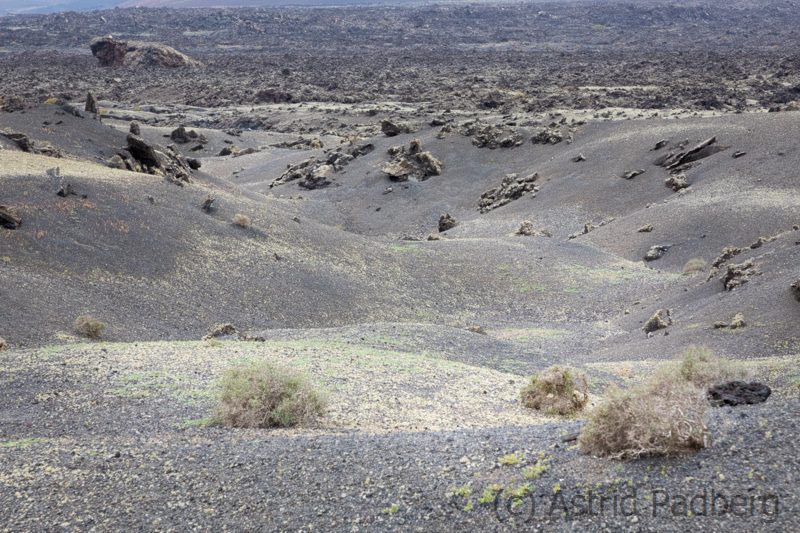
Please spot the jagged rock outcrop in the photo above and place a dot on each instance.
(229, 332)
(411, 162)
(736, 322)
(446, 222)
(91, 105)
(511, 188)
(677, 161)
(317, 172)
(739, 274)
(727, 253)
(300, 144)
(677, 182)
(181, 135)
(662, 319)
(140, 156)
(656, 252)
(548, 136)
(392, 129)
(527, 229)
(491, 135)
(633, 173)
(113, 53)
(590, 226)
(9, 220)
(10, 103)
(26, 144)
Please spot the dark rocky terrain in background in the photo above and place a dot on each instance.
(526, 57)
(417, 206)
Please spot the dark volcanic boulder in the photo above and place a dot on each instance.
(738, 393)
(20, 139)
(7, 220)
(273, 96)
(143, 152)
(391, 129)
(446, 222)
(91, 104)
(11, 103)
(108, 51)
(181, 135)
(113, 53)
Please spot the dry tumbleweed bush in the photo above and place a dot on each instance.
(261, 395)
(556, 391)
(89, 327)
(660, 418)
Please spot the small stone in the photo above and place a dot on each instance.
(633, 173)
(656, 252)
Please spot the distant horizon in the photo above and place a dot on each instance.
(18, 7)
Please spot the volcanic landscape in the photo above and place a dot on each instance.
(418, 207)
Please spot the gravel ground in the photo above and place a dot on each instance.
(114, 436)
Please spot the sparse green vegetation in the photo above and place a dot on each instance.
(21, 443)
(702, 368)
(464, 491)
(89, 327)
(391, 510)
(557, 391)
(511, 459)
(261, 395)
(490, 493)
(520, 492)
(198, 422)
(536, 470)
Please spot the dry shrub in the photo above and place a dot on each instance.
(665, 416)
(660, 418)
(243, 221)
(700, 367)
(697, 264)
(556, 391)
(89, 327)
(261, 395)
(3, 344)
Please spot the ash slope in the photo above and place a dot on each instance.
(140, 254)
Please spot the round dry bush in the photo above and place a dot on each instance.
(557, 391)
(3, 344)
(261, 395)
(661, 418)
(243, 221)
(695, 265)
(89, 327)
